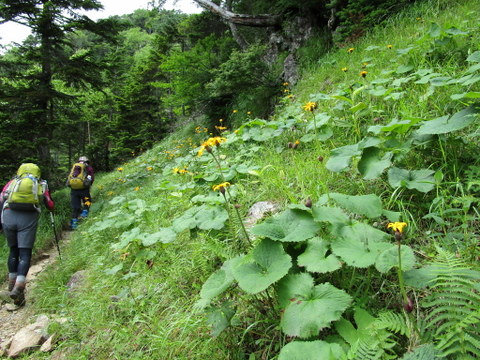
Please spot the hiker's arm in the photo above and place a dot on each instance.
(91, 173)
(47, 198)
(3, 194)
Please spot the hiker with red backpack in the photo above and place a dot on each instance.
(20, 202)
(79, 180)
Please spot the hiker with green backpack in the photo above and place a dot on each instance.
(20, 202)
(79, 180)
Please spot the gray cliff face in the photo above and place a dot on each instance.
(293, 34)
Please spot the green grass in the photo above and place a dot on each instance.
(138, 301)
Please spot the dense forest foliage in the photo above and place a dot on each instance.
(112, 88)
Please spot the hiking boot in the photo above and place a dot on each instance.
(73, 224)
(11, 283)
(84, 213)
(18, 294)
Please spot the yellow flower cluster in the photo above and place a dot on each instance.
(211, 142)
(397, 226)
(350, 50)
(199, 130)
(170, 154)
(363, 73)
(120, 169)
(220, 187)
(136, 188)
(310, 106)
(149, 168)
(180, 171)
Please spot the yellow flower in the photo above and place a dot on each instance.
(88, 203)
(286, 90)
(397, 226)
(344, 69)
(285, 84)
(350, 50)
(211, 142)
(149, 168)
(389, 46)
(110, 193)
(363, 73)
(221, 128)
(120, 169)
(136, 188)
(249, 112)
(221, 120)
(221, 187)
(234, 111)
(310, 106)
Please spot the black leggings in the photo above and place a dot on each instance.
(19, 260)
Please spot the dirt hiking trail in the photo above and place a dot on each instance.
(12, 319)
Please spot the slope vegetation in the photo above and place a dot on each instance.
(372, 160)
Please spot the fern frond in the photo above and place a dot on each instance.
(455, 308)
(392, 321)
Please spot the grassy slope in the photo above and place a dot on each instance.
(137, 302)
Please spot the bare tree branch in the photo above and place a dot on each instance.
(264, 20)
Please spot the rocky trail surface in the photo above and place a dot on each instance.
(20, 328)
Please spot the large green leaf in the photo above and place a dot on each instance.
(369, 205)
(389, 258)
(211, 218)
(362, 232)
(356, 253)
(446, 124)
(314, 258)
(292, 286)
(311, 350)
(314, 310)
(205, 217)
(292, 225)
(474, 57)
(267, 263)
(216, 284)
(359, 244)
(332, 215)
(421, 180)
(219, 317)
(164, 235)
(373, 162)
(351, 334)
(340, 157)
(187, 220)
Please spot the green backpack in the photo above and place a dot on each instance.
(25, 191)
(77, 179)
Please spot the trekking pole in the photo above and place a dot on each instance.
(56, 237)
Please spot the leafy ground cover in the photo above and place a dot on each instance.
(373, 159)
